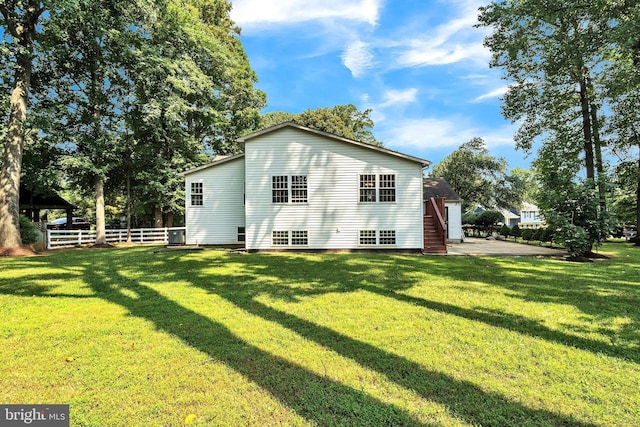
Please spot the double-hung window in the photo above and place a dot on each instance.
(368, 188)
(289, 189)
(377, 188)
(387, 188)
(280, 189)
(197, 194)
(299, 189)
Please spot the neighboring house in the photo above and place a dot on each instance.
(299, 188)
(530, 216)
(510, 218)
(439, 187)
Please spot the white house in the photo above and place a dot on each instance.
(530, 216)
(298, 188)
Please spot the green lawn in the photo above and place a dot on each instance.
(131, 337)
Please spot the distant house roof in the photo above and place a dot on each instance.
(439, 187)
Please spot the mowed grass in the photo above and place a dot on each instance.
(146, 337)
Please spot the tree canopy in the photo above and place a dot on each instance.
(343, 120)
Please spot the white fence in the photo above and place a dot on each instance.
(70, 238)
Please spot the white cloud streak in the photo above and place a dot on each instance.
(496, 93)
(358, 57)
(255, 12)
(421, 134)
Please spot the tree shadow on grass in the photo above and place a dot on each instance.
(464, 400)
(313, 397)
(396, 274)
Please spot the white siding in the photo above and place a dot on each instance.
(333, 215)
(216, 222)
(454, 232)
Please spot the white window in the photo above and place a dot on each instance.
(387, 188)
(387, 237)
(197, 194)
(280, 189)
(280, 238)
(282, 193)
(367, 237)
(380, 188)
(299, 238)
(299, 189)
(368, 188)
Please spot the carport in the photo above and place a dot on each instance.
(31, 203)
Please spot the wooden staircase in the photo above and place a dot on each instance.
(435, 235)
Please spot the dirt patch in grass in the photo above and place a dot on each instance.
(17, 251)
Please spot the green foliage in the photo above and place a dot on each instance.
(342, 120)
(488, 218)
(515, 231)
(572, 209)
(479, 178)
(538, 234)
(469, 217)
(28, 232)
(505, 230)
(527, 234)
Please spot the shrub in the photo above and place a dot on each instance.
(515, 231)
(505, 230)
(537, 234)
(527, 234)
(28, 232)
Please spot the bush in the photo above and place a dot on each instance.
(527, 234)
(505, 230)
(537, 234)
(28, 232)
(515, 231)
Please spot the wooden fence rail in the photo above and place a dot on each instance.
(70, 238)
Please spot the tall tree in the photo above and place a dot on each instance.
(19, 22)
(550, 50)
(194, 93)
(479, 178)
(88, 47)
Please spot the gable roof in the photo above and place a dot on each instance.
(334, 137)
(217, 161)
(438, 187)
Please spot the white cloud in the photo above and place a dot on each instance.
(496, 93)
(394, 97)
(431, 133)
(252, 12)
(358, 57)
(452, 41)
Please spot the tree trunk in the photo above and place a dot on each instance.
(128, 206)
(157, 217)
(169, 220)
(12, 159)
(586, 128)
(11, 163)
(637, 239)
(101, 238)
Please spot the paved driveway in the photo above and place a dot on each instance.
(477, 246)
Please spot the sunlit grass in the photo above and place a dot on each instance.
(139, 336)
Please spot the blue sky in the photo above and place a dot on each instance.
(418, 64)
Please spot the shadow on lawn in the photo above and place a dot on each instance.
(313, 397)
(601, 298)
(316, 398)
